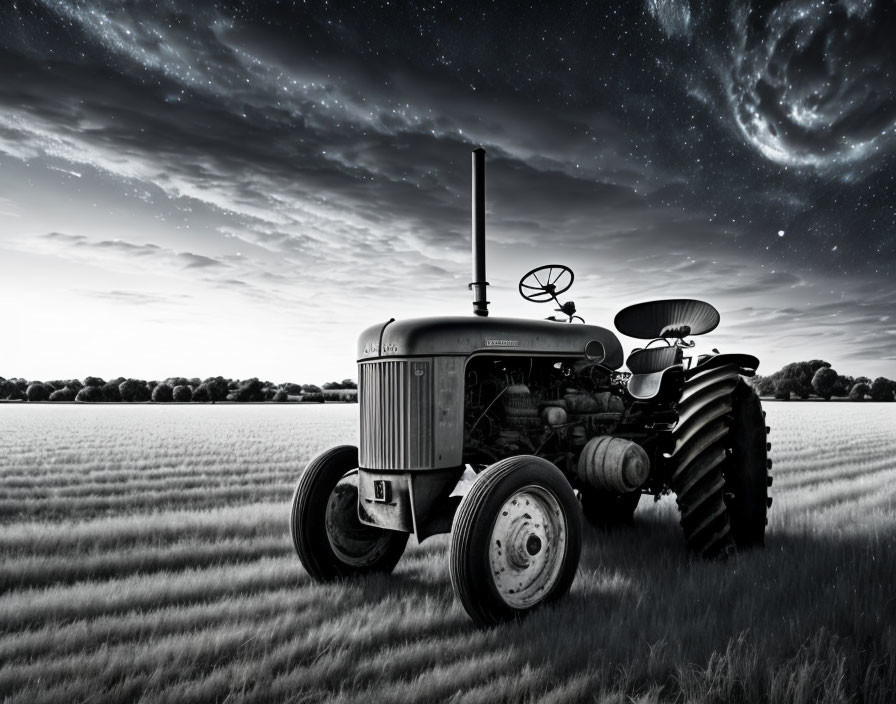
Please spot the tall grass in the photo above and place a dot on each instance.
(146, 556)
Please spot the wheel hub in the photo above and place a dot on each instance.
(533, 544)
(527, 546)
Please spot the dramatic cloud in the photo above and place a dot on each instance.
(301, 172)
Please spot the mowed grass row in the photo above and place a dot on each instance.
(149, 461)
(167, 592)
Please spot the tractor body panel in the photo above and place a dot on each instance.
(411, 413)
(466, 336)
(410, 502)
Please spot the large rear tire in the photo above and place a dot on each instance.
(330, 540)
(720, 464)
(516, 540)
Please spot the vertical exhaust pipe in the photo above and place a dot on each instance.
(480, 305)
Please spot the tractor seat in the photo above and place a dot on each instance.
(653, 359)
(655, 370)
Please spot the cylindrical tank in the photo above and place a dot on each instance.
(613, 464)
(517, 401)
(520, 409)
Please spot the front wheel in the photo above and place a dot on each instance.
(330, 540)
(516, 540)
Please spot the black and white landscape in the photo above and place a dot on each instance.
(239, 188)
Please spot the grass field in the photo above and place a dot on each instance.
(146, 556)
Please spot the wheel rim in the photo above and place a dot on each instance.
(353, 542)
(527, 547)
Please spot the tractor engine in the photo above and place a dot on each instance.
(564, 411)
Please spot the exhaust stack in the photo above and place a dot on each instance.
(480, 305)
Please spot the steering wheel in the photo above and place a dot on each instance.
(542, 285)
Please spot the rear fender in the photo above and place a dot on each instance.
(747, 363)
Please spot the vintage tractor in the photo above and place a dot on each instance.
(505, 432)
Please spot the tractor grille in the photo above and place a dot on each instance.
(396, 414)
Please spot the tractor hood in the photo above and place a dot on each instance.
(464, 335)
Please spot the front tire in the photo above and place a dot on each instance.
(516, 540)
(330, 540)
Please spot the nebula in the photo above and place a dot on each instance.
(814, 84)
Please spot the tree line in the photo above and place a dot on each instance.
(817, 378)
(93, 389)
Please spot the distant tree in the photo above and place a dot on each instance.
(349, 384)
(111, 392)
(66, 393)
(74, 384)
(16, 388)
(151, 385)
(313, 397)
(173, 381)
(859, 391)
(182, 394)
(94, 381)
(56, 384)
(764, 385)
(134, 390)
(881, 389)
(824, 381)
(249, 390)
(281, 396)
(163, 393)
(800, 374)
(38, 391)
(269, 393)
(783, 389)
(90, 394)
(310, 388)
(292, 389)
(202, 394)
(218, 388)
(332, 385)
(4, 387)
(843, 385)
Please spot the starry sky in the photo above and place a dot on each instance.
(239, 188)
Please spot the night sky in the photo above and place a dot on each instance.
(239, 188)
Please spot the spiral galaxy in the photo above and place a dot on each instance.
(814, 84)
